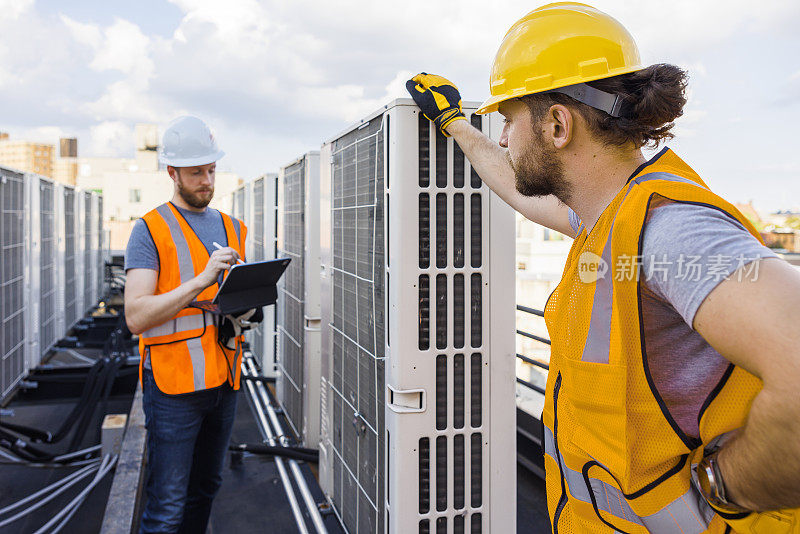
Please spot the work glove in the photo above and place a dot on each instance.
(232, 326)
(438, 98)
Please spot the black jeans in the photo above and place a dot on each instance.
(187, 438)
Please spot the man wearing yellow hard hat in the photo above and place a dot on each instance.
(672, 401)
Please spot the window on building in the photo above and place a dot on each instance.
(135, 195)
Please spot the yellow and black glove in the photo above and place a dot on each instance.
(437, 97)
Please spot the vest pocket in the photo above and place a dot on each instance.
(596, 394)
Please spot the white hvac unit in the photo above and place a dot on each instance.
(73, 264)
(13, 240)
(298, 358)
(239, 201)
(418, 424)
(81, 263)
(88, 229)
(102, 248)
(43, 327)
(32, 272)
(262, 229)
(59, 217)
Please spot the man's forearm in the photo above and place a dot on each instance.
(488, 159)
(148, 311)
(761, 465)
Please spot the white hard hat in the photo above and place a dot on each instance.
(188, 142)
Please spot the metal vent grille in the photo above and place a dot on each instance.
(451, 461)
(87, 250)
(47, 266)
(70, 252)
(257, 254)
(357, 386)
(239, 199)
(101, 260)
(291, 309)
(12, 303)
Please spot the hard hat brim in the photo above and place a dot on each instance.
(192, 162)
(492, 104)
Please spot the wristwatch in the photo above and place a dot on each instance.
(712, 485)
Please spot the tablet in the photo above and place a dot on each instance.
(247, 286)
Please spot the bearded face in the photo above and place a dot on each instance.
(538, 170)
(196, 195)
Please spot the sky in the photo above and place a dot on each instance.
(275, 79)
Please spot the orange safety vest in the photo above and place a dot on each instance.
(615, 459)
(184, 352)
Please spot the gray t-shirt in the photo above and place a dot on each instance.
(687, 251)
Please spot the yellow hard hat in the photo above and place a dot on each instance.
(561, 45)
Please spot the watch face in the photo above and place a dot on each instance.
(705, 477)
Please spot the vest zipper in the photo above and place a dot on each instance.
(562, 501)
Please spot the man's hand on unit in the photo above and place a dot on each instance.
(438, 98)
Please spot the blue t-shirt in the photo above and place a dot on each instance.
(141, 252)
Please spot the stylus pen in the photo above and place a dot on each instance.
(220, 246)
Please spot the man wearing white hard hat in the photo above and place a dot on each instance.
(187, 376)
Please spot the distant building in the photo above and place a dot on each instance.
(541, 256)
(787, 239)
(133, 186)
(40, 158)
(26, 156)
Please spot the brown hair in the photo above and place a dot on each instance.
(652, 99)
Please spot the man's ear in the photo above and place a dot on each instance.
(561, 125)
(173, 172)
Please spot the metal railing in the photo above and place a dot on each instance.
(526, 359)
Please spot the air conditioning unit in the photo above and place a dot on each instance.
(418, 413)
(262, 229)
(102, 248)
(42, 316)
(73, 258)
(298, 359)
(255, 204)
(61, 258)
(13, 232)
(92, 251)
(239, 203)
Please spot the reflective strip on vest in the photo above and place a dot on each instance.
(185, 263)
(195, 347)
(598, 338)
(683, 513)
(177, 325)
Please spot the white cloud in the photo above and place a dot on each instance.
(12, 9)
(42, 134)
(290, 74)
(110, 138)
(124, 48)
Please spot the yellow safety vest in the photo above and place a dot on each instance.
(185, 353)
(615, 459)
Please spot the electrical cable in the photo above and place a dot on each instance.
(69, 510)
(44, 490)
(296, 453)
(84, 473)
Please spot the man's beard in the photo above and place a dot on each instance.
(195, 200)
(539, 174)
